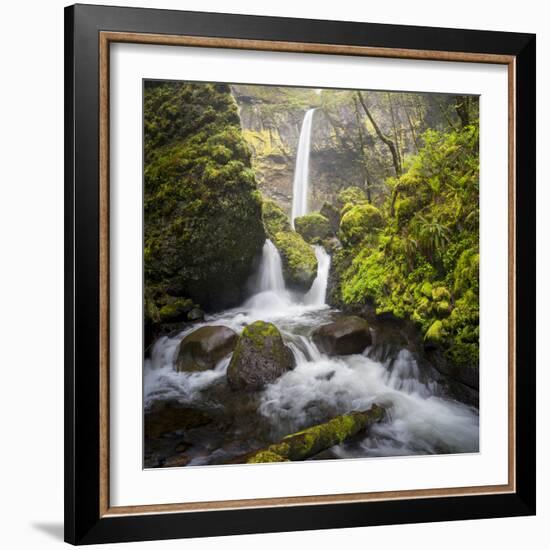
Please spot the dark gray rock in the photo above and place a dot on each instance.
(345, 336)
(204, 348)
(260, 357)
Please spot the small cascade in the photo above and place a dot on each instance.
(301, 170)
(318, 292)
(270, 276)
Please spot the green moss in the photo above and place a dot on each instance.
(352, 195)
(309, 442)
(175, 309)
(258, 331)
(360, 221)
(441, 293)
(199, 194)
(405, 209)
(298, 259)
(425, 289)
(266, 456)
(466, 274)
(313, 227)
(435, 333)
(422, 263)
(274, 218)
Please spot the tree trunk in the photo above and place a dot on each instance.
(363, 151)
(388, 141)
(312, 441)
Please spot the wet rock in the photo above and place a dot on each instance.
(313, 227)
(204, 348)
(298, 259)
(174, 309)
(260, 357)
(176, 461)
(196, 314)
(332, 214)
(345, 336)
(170, 416)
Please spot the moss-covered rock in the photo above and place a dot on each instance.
(351, 195)
(274, 218)
(345, 336)
(358, 222)
(260, 357)
(175, 309)
(313, 227)
(298, 259)
(204, 348)
(199, 194)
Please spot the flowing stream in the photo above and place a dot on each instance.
(421, 419)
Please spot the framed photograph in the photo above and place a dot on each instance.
(300, 274)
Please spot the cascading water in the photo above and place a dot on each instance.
(421, 419)
(300, 186)
(317, 294)
(271, 270)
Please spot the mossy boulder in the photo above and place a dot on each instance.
(260, 357)
(313, 227)
(358, 222)
(175, 309)
(203, 229)
(274, 218)
(204, 348)
(298, 259)
(351, 195)
(345, 336)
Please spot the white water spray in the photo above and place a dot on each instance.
(301, 171)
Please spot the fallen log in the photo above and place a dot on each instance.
(313, 440)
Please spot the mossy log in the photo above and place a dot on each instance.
(313, 440)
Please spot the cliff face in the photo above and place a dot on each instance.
(271, 118)
(199, 194)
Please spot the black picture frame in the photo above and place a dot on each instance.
(84, 524)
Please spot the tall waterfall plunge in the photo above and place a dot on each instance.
(301, 171)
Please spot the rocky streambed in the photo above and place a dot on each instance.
(241, 385)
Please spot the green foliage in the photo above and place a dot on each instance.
(358, 222)
(199, 194)
(298, 259)
(274, 218)
(351, 195)
(313, 227)
(423, 263)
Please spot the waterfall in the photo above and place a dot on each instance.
(270, 276)
(301, 171)
(318, 292)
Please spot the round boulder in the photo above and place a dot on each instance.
(345, 336)
(260, 357)
(204, 348)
